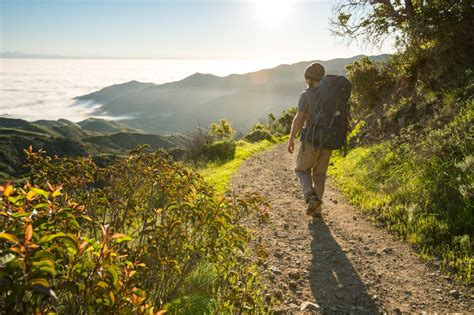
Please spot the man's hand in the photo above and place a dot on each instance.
(296, 126)
(291, 145)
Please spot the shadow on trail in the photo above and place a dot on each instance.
(335, 284)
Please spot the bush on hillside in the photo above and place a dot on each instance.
(371, 83)
(121, 239)
(258, 133)
(216, 144)
(223, 150)
(282, 125)
(221, 130)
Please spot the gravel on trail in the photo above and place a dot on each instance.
(342, 263)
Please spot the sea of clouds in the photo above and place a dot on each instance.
(35, 89)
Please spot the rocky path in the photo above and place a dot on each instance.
(342, 263)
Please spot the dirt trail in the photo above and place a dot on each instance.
(343, 262)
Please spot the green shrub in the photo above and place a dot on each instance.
(127, 238)
(223, 150)
(258, 133)
(215, 145)
(50, 260)
(282, 125)
(371, 83)
(221, 130)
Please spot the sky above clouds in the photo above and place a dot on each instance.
(203, 29)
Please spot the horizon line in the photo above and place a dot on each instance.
(22, 55)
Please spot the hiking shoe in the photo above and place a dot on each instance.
(317, 212)
(314, 207)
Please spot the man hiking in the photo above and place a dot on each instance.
(323, 112)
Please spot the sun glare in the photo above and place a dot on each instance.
(272, 12)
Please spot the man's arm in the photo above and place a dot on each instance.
(296, 126)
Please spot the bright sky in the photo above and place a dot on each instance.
(210, 29)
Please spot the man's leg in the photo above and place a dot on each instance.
(305, 161)
(320, 170)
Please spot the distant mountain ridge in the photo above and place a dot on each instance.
(203, 98)
(21, 55)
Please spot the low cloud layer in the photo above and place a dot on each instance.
(44, 89)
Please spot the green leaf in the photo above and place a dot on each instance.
(86, 217)
(44, 266)
(10, 237)
(124, 238)
(69, 240)
(20, 215)
(15, 200)
(39, 281)
(41, 205)
(103, 285)
(43, 254)
(48, 238)
(70, 243)
(112, 270)
(40, 192)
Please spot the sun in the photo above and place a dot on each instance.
(272, 12)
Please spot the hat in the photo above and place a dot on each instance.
(314, 72)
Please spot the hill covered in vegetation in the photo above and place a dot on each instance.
(63, 138)
(412, 158)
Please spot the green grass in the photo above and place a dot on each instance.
(219, 174)
(420, 185)
(405, 191)
(197, 295)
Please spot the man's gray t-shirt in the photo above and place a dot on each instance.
(304, 103)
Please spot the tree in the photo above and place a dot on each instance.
(412, 21)
(434, 36)
(221, 130)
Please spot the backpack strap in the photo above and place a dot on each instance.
(314, 100)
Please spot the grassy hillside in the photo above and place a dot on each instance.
(411, 162)
(104, 126)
